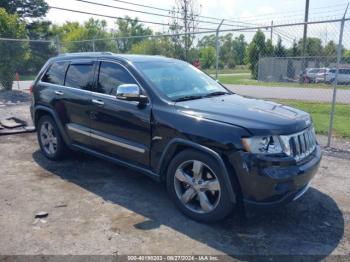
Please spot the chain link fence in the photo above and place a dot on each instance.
(271, 62)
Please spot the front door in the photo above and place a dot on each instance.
(119, 128)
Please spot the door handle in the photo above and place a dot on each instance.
(98, 102)
(59, 93)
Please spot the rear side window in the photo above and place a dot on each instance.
(111, 75)
(55, 73)
(80, 76)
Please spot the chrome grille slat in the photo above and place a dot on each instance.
(302, 144)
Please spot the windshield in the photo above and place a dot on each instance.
(179, 80)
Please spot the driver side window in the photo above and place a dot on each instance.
(110, 76)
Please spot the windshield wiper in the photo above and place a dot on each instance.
(217, 93)
(185, 98)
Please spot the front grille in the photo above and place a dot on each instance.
(302, 144)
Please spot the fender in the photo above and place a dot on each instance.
(53, 114)
(171, 147)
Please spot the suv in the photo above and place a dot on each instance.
(214, 149)
(328, 76)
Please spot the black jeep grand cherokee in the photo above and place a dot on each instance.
(171, 121)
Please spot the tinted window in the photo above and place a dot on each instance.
(112, 75)
(79, 76)
(55, 73)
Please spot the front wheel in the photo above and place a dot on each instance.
(196, 184)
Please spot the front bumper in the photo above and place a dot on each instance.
(270, 181)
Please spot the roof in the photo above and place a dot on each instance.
(127, 57)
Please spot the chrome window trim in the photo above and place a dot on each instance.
(105, 139)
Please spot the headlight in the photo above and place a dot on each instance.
(263, 144)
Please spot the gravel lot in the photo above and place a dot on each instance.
(95, 207)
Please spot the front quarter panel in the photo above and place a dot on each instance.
(169, 123)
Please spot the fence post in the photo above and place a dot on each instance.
(58, 44)
(93, 45)
(217, 49)
(335, 82)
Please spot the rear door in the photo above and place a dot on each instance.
(76, 100)
(119, 128)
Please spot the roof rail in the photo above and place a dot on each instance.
(86, 53)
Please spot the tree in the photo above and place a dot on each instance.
(208, 40)
(12, 53)
(313, 47)
(207, 56)
(153, 46)
(129, 27)
(256, 48)
(269, 48)
(239, 47)
(183, 21)
(25, 8)
(330, 49)
(279, 50)
(293, 51)
(71, 33)
(40, 52)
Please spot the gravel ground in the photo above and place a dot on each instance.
(95, 207)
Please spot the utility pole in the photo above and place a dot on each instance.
(271, 33)
(217, 49)
(186, 29)
(306, 19)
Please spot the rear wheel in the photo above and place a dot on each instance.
(50, 140)
(196, 184)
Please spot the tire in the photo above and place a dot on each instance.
(202, 197)
(51, 144)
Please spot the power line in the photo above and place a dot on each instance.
(149, 13)
(229, 19)
(117, 17)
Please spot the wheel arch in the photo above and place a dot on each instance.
(177, 145)
(40, 111)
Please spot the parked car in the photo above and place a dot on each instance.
(328, 76)
(309, 75)
(163, 117)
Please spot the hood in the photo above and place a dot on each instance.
(259, 117)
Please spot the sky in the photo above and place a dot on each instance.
(247, 12)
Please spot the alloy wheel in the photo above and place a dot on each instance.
(48, 138)
(197, 186)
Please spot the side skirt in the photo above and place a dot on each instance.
(145, 171)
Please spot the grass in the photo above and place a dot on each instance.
(247, 80)
(236, 70)
(26, 77)
(320, 114)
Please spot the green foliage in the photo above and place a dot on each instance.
(207, 56)
(25, 8)
(279, 50)
(239, 46)
(12, 53)
(153, 46)
(256, 48)
(130, 27)
(330, 49)
(92, 29)
(313, 47)
(40, 52)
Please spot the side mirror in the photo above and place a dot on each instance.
(130, 92)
